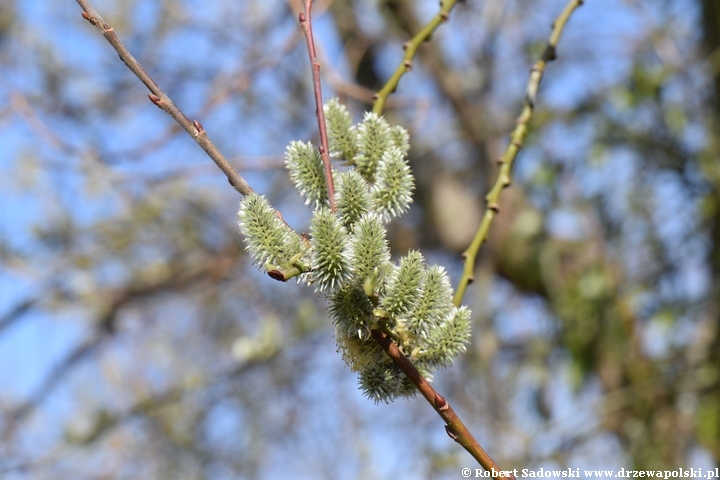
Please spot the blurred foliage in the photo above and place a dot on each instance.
(137, 341)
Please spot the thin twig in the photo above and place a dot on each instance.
(17, 312)
(411, 48)
(159, 98)
(516, 140)
(454, 426)
(306, 24)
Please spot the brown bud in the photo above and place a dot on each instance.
(154, 98)
(277, 275)
(451, 433)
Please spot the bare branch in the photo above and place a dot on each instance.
(159, 98)
(306, 24)
(17, 312)
(454, 426)
(410, 49)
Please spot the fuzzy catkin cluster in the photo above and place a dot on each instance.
(347, 257)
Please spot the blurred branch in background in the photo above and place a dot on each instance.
(516, 141)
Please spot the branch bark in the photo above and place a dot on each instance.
(194, 128)
(454, 427)
(306, 24)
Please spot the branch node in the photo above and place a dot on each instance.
(405, 46)
(444, 16)
(86, 16)
(500, 160)
(301, 17)
(408, 65)
(494, 207)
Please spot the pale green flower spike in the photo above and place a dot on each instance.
(434, 304)
(348, 259)
(394, 184)
(330, 257)
(370, 252)
(352, 197)
(404, 285)
(373, 139)
(270, 242)
(400, 138)
(352, 311)
(447, 340)
(357, 353)
(306, 171)
(342, 135)
(380, 382)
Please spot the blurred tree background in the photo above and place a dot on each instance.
(137, 340)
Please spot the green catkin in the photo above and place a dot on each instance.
(357, 353)
(380, 382)
(394, 185)
(347, 257)
(434, 304)
(307, 172)
(370, 253)
(404, 285)
(270, 242)
(447, 340)
(352, 197)
(342, 135)
(373, 139)
(331, 263)
(400, 138)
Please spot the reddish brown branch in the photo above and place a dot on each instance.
(159, 98)
(306, 24)
(454, 426)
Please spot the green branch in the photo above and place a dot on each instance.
(411, 48)
(516, 141)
